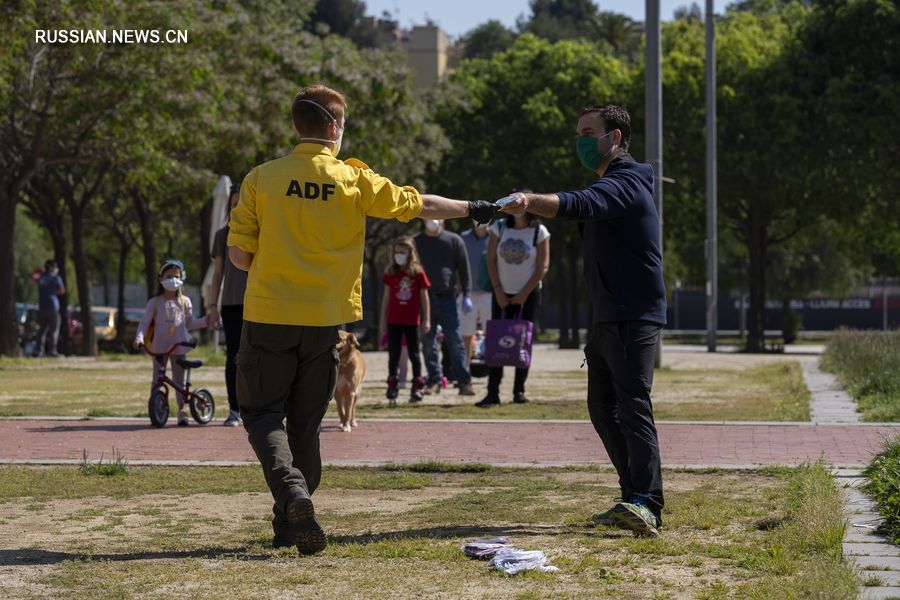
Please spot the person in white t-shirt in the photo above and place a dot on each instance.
(518, 258)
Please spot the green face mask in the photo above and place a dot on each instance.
(588, 149)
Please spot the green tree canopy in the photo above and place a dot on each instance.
(487, 39)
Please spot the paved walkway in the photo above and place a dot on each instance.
(877, 559)
(407, 441)
(830, 403)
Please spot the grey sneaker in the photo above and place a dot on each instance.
(233, 420)
(637, 517)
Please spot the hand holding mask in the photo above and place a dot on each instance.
(482, 211)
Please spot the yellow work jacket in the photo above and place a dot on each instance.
(303, 217)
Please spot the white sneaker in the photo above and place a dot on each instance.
(233, 420)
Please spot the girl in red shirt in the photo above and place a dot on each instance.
(404, 308)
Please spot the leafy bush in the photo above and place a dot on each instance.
(867, 364)
(883, 475)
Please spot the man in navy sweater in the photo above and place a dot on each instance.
(619, 224)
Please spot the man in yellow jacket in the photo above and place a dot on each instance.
(299, 230)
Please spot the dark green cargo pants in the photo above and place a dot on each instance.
(286, 372)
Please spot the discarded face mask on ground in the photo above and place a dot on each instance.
(507, 558)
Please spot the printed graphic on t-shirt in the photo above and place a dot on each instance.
(404, 289)
(514, 251)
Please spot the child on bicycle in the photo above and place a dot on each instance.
(166, 322)
(403, 307)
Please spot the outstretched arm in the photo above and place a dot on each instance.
(438, 207)
(542, 205)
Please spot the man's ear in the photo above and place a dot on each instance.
(617, 137)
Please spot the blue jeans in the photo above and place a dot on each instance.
(443, 313)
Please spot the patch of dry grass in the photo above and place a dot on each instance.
(727, 534)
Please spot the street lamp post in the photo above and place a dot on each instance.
(712, 275)
(653, 116)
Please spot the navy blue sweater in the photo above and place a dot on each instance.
(622, 251)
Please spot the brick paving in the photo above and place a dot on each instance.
(408, 441)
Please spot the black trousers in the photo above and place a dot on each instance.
(286, 371)
(396, 333)
(529, 309)
(620, 358)
(232, 322)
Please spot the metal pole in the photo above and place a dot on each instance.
(712, 274)
(653, 115)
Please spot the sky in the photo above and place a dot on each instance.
(457, 17)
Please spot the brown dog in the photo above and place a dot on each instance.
(351, 373)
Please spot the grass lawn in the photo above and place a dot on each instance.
(773, 392)
(867, 364)
(768, 392)
(396, 533)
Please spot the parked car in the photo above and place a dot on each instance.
(133, 318)
(106, 323)
(104, 318)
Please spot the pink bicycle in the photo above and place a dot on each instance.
(202, 404)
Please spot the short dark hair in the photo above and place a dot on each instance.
(614, 117)
(49, 264)
(312, 120)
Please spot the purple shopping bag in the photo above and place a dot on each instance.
(508, 342)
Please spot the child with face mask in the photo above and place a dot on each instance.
(169, 313)
(405, 308)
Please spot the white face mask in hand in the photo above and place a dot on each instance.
(172, 284)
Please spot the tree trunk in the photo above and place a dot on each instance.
(9, 329)
(147, 242)
(89, 342)
(569, 336)
(120, 291)
(790, 322)
(104, 281)
(756, 315)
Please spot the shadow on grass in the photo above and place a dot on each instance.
(456, 531)
(36, 556)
